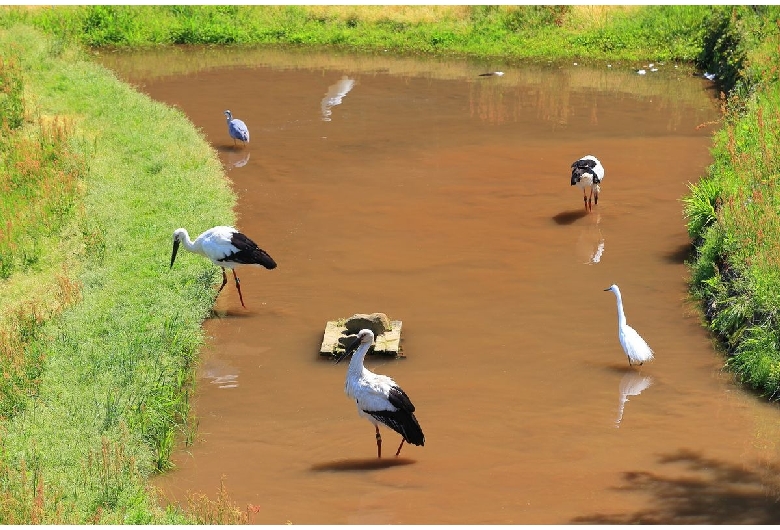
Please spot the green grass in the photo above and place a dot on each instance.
(511, 32)
(734, 213)
(112, 371)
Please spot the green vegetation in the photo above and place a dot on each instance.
(98, 338)
(96, 384)
(734, 212)
(509, 32)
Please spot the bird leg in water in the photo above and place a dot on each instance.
(378, 442)
(238, 286)
(224, 280)
(400, 446)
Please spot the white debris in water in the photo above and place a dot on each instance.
(575, 64)
(641, 72)
(709, 76)
(654, 69)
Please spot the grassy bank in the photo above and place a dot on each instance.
(98, 401)
(734, 212)
(510, 32)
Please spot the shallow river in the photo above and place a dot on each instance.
(442, 198)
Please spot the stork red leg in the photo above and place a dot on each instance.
(400, 446)
(378, 442)
(238, 286)
(224, 280)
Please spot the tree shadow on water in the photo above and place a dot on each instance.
(711, 492)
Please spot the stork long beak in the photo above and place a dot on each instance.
(349, 349)
(176, 243)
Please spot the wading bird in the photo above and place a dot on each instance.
(226, 247)
(633, 344)
(379, 399)
(237, 129)
(588, 172)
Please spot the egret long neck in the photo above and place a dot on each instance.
(621, 314)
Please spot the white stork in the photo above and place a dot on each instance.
(379, 399)
(633, 344)
(226, 247)
(588, 172)
(236, 128)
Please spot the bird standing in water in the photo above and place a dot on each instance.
(237, 129)
(633, 344)
(379, 399)
(588, 172)
(226, 247)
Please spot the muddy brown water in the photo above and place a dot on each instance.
(442, 199)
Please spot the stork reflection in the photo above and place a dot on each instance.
(632, 384)
(590, 245)
(334, 95)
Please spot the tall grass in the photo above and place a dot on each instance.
(112, 377)
(734, 213)
(511, 32)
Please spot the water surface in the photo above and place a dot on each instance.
(419, 189)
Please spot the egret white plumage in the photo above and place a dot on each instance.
(226, 247)
(236, 128)
(633, 344)
(379, 399)
(587, 172)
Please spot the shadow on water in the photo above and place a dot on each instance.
(362, 464)
(567, 218)
(681, 254)
(218, 314)
(711, 492)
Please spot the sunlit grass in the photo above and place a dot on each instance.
(110, 341)
(513, 32)
(734, 216)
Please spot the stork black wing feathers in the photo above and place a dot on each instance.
(399, 399)
(248, 252)
(402, 420)
(581, 167)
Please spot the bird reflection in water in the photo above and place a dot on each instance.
(221, 374)
(237, 159)
(590, 245)
(334, 95)
(632, 384)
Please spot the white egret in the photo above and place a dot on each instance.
(587, 172)
(379, 399)
(633, 344)
(226, 247)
